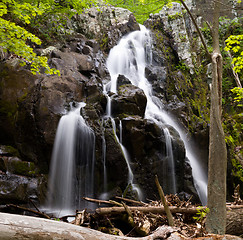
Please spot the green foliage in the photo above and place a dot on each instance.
(182, 66)
(174, 16)
(237, 170)
(140, 8)
(17, 17)
(238, 96)
(201, 214)
(234, 43)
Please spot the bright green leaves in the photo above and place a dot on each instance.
(15, 15)
(140, 8)
(14, 38)
(238, 96)
(24, 11)
(201, 214)
(3, 9)
(234, 43)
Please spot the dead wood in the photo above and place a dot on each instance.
(80, 217)
(163, 199)
(29, 210)
(132, 201)
(236, 195)
(15, 227)
(37, 209)
(102, 201)
(155, 210)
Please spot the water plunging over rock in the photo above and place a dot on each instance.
(129, 58)
(30, 111)
(72, 164)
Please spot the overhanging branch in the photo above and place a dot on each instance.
(197, 28)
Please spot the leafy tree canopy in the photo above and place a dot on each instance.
(15, 18)
(141, 8)
(234, 43)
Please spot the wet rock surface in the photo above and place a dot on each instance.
(31, 106)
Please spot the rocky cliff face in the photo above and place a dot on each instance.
(31, 106)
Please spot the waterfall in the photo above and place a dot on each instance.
(104, 195)
(129, 58)
(111, 87)
(71, 174)
(170, 169)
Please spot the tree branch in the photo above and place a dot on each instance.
(197, 28)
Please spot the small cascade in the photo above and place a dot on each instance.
(72, 165)
(170, 169)
(129, 58)
(134, 186)
(104, 195)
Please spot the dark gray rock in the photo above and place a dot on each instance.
(130, 100)
(122, 80)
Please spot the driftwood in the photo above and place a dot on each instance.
(16, 227)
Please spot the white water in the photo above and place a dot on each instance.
(171, 165)
(129, 58)
(71, 174)
(134, 186)
(104, 195)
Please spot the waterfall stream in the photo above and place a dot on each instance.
(134, 186)
(73, 159)
(129, 58)
(72, 165)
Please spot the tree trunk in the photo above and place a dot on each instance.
(217, 162)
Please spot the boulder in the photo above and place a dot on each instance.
(130, 100)
(21, 227)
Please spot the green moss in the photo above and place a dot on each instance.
(9, 110)
(23, 97)
(11, 150)
(23, 168)
(237, 170)
(174, 16)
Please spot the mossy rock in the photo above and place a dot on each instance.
(8, 151)
(23, 168)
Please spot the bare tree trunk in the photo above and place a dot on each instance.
(217, 162)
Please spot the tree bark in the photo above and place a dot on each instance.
(160, 210)
(217, 162)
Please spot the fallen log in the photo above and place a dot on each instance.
(16, 227)
(160, 210)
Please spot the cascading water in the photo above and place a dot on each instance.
(72, 164)
(170, 169)
(134, 186)
(129, 58)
